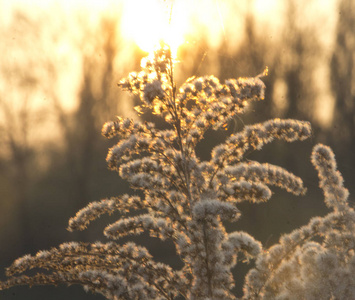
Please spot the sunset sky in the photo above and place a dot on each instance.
(161, 18)
(64, 26)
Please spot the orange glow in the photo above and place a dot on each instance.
(148, 23)
(88, 5)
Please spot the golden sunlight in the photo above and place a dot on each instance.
(148, 23)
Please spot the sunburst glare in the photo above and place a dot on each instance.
(154, 22)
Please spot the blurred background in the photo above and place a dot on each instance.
(59, 65)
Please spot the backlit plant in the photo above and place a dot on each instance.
(186, 200)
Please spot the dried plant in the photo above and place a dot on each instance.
(185, 200)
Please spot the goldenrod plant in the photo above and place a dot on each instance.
(186, 200)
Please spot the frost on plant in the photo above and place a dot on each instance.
(185, 200)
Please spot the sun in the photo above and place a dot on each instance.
(149, 22)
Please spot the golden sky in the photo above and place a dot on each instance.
(143, 22)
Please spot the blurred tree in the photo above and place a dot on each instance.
(21, 117)
(96, 100)
(296, 58)
(343, 83)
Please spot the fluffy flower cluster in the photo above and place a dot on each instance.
(316, 261)
(186, 201)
